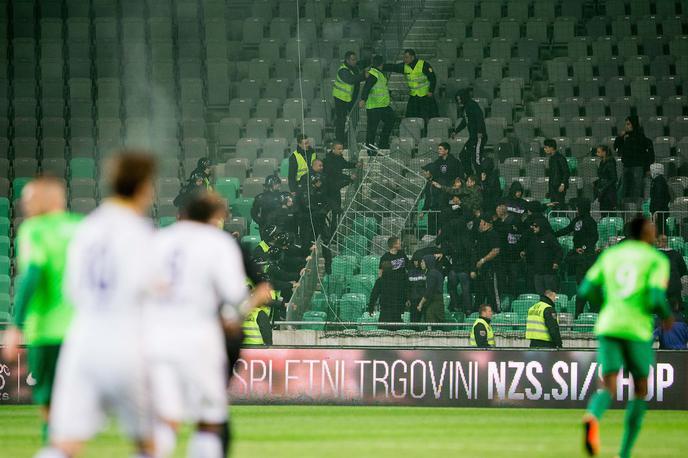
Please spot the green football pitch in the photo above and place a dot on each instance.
(332, 432)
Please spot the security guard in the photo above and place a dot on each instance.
(257, 326)
(300, 162)
(376, 100)
(267, 202)
(541, 326)
(421, 81)
(482, 335)
(345, 93)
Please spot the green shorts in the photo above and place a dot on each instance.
(42, 367)
(635, 356)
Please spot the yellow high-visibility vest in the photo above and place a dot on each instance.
(378, 97)
(535, 324)
(341, 90)
(490, 333)
(418, 83)
(252, 335)
(302, 165)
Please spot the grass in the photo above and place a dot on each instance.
(333, 432)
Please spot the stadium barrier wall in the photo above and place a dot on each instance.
(419, 377)
(443, 377)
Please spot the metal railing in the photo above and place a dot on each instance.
(404, 14)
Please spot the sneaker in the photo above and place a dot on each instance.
(592, 435)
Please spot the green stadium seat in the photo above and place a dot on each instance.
(253, 228)
(5, 318)
(521, 306)
(319, 302)
(167, 221)
(533, 298)
(228, 187)
(4, 303)
(368, 322)
(17, 186)
(573, 164)
(250, 242)
(562, 303)
(242, 207)
(352, 306)
(676, 243)
(646, 209)
(356, 245)
(5, 265)
(4, 226)
(588, 319)
(370, 265)
(365, 226)
(362, 284)
(82, 167)
(559, 222)
(566, 243)
(506, 318)
(284, 168)
(472, 317)
(344, 265)
(314, 316)
(4, 207)
(5, 283)
(334, 285)
(609, 226)
(4, 245)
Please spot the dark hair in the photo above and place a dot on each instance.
(348, 54)
(445, 145)
(482, 308)
(201, 206)
(410, 51)
(472, 177)
(300, 138)
(607, 151)
(635, 122)
(636, 226)
(129, 170)
(377, 60)
(550, 142)
(337, 142)
(391, 241)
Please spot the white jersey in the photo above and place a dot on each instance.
(102, 365)
(198, 269)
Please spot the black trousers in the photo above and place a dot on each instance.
(487, 290)
(422, 107)
(472, 156)
(453, 280)
(375, 117)
(341, 112)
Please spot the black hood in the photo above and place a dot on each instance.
(430, 262)
(515, 187)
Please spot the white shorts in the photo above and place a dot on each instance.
(95, 381)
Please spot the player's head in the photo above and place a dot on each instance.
(45, 194)
(409, 56)
(485, 311)
(551, 295)
(205, 207)
(642, 229)
(131, 176)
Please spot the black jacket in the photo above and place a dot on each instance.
(585, 233)
(427, 71)
(444, 171)
(660, 196)
(333, 168)
(434, 278)
(515, 205)
(319, 201)
(264, 204)
(481, 335)
(434, 198)
(472, 117)
(558, 172)
(457, 244)
(492, 190)
(606, 177)
(635, 150)
(485, 243)
(511, 235)
(677, 270)
(552, 327)
(542, 251)
(416, 285)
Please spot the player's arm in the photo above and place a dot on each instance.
(657, 285)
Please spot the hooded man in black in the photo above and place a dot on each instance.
(510, 229)
(390, 293)
(558, 173)
(637, 153)
(485, 258)
(677, 269)
(660, 197)
(515, 203)
(471, 116)
(432, 302)
(489, 182)
(585, 237)
(416, 287)
(334, 165)
(543, 254)
(457, 243)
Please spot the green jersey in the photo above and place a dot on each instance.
(632, 278)
(42, 243)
